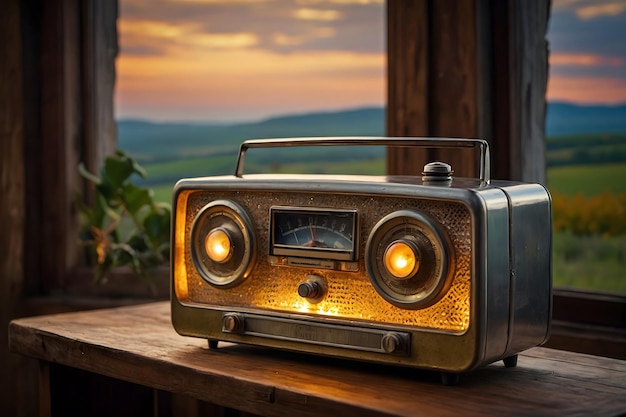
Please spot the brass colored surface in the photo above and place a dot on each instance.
(350, 295)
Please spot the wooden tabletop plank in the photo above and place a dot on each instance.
(138, 344)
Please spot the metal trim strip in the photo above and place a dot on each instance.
(349, 337)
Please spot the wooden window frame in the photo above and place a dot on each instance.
(69, 49)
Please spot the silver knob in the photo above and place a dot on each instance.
(391, 342)
(437, 171)
(233, 323)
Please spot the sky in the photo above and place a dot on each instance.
(244, 60)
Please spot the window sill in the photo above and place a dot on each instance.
(122, 288)
(589, 322)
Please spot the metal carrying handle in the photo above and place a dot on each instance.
(484, 167)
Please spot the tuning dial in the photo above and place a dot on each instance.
(313, 289)
(308, 289)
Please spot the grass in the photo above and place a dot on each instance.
(361, 167)
(589, 262)
(588, 180)
(163, 176)
(163, 193)
(171, 171)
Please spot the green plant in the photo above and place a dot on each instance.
(125, 226)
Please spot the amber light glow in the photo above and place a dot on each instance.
(401, 260)
(218, 245)
(351, 295)
(180, 268)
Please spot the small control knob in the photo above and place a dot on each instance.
(308, 289)
(233, 323)
(313, 289)
(391, 342)
(437, 171)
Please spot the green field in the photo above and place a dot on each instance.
(589, 262)
(163, 191)
(588, 179)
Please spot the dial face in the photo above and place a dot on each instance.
(313, 233)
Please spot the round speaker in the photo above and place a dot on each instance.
(222, 243)
(409, 259)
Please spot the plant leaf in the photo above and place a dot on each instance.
(117, 170)
(157, 226)
(135, 197)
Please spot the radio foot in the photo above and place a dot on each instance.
(450, 379)
(510, 362)
(213, 344)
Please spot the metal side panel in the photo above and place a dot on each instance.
(531, 260)
(492, 279)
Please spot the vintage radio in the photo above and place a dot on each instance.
(432, 271)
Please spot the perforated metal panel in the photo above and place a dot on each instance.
(350, 294)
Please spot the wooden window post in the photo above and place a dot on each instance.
(474, 69)
(69, 50)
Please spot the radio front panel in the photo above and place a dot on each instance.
(292, 236)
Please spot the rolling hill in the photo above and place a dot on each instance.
(156, 142)
(153, 142)
(571, 119)
(577, 135)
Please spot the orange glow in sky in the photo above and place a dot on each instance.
(190, 67)
(212, 60)
(244, 81)
(587, 89)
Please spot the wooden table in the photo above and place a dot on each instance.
(137, 344)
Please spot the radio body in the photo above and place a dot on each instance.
(432, 272)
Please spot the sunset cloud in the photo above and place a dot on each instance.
(586, 60)
(587, 41)
(217, 2)
(322, 32)
(361, 2)
(588, 9)
(239, 60)
(281, 26)
(317, 14)
(607, 9)
(166, 36)
(587, 90)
